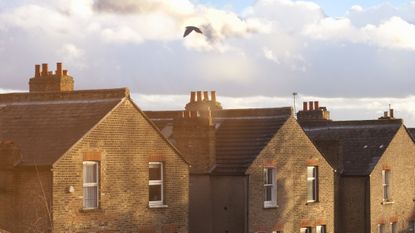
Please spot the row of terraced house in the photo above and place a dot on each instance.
(92, 161)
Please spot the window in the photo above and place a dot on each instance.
(91, 184)
(321, 229)
(312, 184)
(381, 228)
(386, 185)
(270, 187)
(305, 230)
(394, 227)
(155, 183)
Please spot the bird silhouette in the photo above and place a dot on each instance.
(189, 29)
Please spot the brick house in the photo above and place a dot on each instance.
(375, 170)
(86, 161)
(252, 170)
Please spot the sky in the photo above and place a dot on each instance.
(355, 57)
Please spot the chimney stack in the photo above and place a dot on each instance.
(37, 71)
(391, 113)
(59, 69)
(47, 81)
(213, 96)
(45, 69)
(310, 106)
(199, 96)
(205, 96)
(192, 97)
(313, 112)
(316, 105)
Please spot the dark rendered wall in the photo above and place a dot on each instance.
(352, 203)
(200, 204)
(229, 195)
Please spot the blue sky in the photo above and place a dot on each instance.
(333, 8)
(355, 63)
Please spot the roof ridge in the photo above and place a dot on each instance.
(116, 93)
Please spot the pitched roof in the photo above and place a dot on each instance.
(45, 125)
(241, 134)
(361, 143)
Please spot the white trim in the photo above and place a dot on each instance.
(386, 178)
(314, 180)
(91, 184)
(273, 184)
(155, 204)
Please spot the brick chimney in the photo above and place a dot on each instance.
(194, 136)
(313, 112)
(203, 103)
(47, 81)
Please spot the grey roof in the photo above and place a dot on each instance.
(45, 125)
(356, 145)
(241, 134)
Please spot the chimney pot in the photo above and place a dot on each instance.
(316, 105)
(59, 69)
(65, 72)
(310, 107)
(391, 113)
(385, 114)
(192, 97)
(305, 106)
(199, 96)
(45, 69)
(213, 96)
(37, 71)
(205, 96)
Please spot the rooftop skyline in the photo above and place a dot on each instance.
(356, 58)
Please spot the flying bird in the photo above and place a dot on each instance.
(189, 29)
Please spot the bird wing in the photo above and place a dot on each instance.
(187, 31)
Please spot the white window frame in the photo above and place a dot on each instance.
(313, 179)
(394, 227)
(96, 184)
(386, 177)
(321, 229)
(381, 228)
(157, 182)
(273, 202)
(305, 230)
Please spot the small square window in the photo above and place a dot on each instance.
(321, 229)
(305, 230)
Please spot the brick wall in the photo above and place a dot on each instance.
(399, 157)
(125, 142)
(291, 151)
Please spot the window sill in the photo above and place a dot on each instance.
(311, 202)
(271, 207)
(387, 202)
(89, 210)
(157, 206)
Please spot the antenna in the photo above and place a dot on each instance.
(294, 95)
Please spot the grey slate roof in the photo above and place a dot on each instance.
(361, 143)
(45, 125)
(241, 134)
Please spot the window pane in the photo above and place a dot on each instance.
(268, 193)
(381, 228)
(310, 190)
(90, 173)
(90, 197)
(155, 192)
(270, 174)
(155, 171)
(310, 172)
